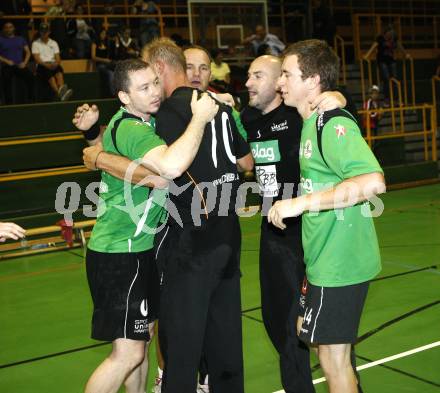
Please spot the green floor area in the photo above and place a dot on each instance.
(45, 311)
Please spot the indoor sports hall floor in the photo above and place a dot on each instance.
(45, 312)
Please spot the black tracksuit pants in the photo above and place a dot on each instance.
(281, 274)
(200, 309)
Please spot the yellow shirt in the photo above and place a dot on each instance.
(219, 72)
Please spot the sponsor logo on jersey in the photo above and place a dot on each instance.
(144, 308)
(279, 127)
(320, 122)
(307, 149)
(340, 130)
(267, 180)
(258, 134)
(306, 185)
(265, 152)
(141, 326)
(226, 178)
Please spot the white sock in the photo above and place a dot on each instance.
(159, 372)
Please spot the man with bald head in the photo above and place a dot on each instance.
(273, 131)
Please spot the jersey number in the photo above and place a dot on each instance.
(226, 127)
(308, 316)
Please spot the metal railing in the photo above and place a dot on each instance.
(428, 132)
(369, 74)
(421, 31)
(339, 47)
(89, 17)
(405, 81)
(398, 84)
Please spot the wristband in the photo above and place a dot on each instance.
(92, 133)
(96, 160)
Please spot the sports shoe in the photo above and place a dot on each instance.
(157, 388)
(62, 90)
(66, 95)
(202, 388)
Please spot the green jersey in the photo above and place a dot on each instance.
(340, 246)
(127, 214)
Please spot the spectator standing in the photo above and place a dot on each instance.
(46, 53)
(386, 45)
(14, 56)
(372, 103)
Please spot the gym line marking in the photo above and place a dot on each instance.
(384, 360)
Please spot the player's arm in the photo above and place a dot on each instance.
(95, 157)
(86, 120)
(328, 100)
(246, 163)
(345, 194)
(9, 230)
(161, 160)
(170, 162)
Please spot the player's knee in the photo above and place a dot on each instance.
(129, 354)
(134, 359)
(333, 359)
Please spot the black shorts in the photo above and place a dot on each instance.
(46, 74)
(332, 314)
(125, 294)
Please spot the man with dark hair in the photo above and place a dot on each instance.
(16, 8)
(339, 175)
(14, 56)
(121, 269)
